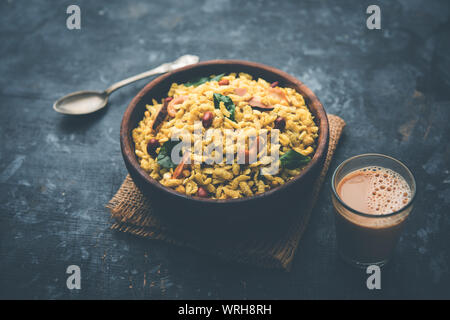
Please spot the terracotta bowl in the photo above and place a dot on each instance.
(173, 204)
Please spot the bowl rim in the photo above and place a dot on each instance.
(130, 156)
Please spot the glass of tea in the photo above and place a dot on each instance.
(372, 195)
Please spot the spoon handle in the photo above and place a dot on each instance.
(165, 67)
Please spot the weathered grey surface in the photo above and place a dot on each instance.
(57, 172)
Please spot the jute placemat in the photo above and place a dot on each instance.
(268, 245)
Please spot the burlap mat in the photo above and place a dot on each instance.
(132, 213)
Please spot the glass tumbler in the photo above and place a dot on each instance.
(369, 239)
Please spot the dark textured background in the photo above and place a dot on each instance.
(57, 172)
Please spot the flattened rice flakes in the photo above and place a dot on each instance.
(256, 105)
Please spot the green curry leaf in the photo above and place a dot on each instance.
(293, 160)
(218, 77)
(164, 156)
(202, 80)
(229, 104)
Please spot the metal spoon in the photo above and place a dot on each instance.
(84, 102)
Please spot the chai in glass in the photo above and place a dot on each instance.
(372, 204)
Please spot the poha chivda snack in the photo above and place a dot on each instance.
(226, 136)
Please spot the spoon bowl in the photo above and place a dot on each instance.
(81, 102)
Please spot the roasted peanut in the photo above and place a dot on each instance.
(152, 145)
(207, 119)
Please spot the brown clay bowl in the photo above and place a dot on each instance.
(173, 204)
